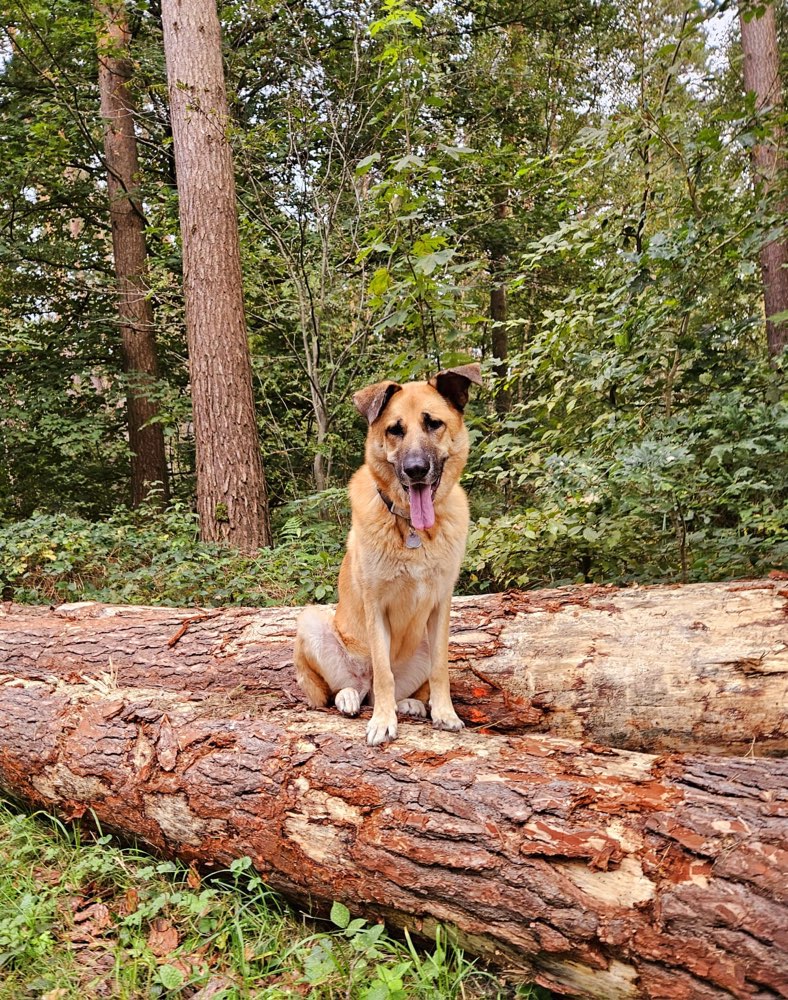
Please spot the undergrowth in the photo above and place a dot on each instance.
(147, 556)
(82, 916)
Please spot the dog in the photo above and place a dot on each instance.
(389, 636)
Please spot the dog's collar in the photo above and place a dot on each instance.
(412, 541)
(392, 509)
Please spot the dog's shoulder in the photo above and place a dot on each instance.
(364, 497)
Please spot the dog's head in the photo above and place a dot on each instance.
(417, 444)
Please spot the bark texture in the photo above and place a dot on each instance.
(146, 440)
(499, 313)
(762, 77)
(701, 667)
(231, 492)
(601, 873)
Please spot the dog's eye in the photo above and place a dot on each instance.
(396, 430)
(431, 424)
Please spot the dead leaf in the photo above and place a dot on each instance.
(129, 903)
(292, 982)
(48, 876)
(193, 879)
(215, 985)
(189, 965)
(163, 938)
(56, 994)
(97, 914)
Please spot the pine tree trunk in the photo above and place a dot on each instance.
(696, 668)
(500, 344)
(232, 502)
(499, 312)
(762, 77)
(601, 873)
(146, 440)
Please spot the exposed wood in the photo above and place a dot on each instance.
(602, 873)
(701, 667)
(232, 502)
(138, 341)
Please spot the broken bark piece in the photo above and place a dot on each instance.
(601, 873)
(699, 667)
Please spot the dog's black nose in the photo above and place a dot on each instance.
(416, 468)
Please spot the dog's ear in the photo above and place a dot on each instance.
(373, 400)
(453, 384)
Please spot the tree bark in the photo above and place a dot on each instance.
(232, 501)
(702, 667)
(498, 309)
(762, 77)
(146, 439)
(601, 873)
(500, 344)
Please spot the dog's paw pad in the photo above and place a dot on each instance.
(348, 701)
(451, 722)
(381, 729)
(412, 706)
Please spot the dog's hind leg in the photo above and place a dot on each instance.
(309, 679)
(411, 682)
(325, 668)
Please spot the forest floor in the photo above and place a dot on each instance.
(82, 916)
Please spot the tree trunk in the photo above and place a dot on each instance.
(320, 464)
(499, 311)
(231, 492)
(601, 873)
(146, 439)
(702, 667)
(762, 77)
(500, 345)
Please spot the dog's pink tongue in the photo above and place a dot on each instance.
(422, 512)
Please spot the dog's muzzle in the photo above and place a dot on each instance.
(420, 478)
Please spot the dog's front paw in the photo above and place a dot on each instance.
(381, 727)
(447, 720)
(412, 706)
(348, 701)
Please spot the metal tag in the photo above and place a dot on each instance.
(412, 541)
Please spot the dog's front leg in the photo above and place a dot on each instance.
(383, 724)
(441, 708)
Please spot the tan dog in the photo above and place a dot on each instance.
(390, 632)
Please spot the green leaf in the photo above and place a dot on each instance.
(429, 262)
(411, 160)
(380, 281)
(355, 926)
(377, 991)
(340, 915)
(170, 977)
(365, 165)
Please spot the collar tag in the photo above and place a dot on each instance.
(412, 541)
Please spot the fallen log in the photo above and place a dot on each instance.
(701, 667)
(601, 873)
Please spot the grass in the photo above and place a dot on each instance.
(82, 916)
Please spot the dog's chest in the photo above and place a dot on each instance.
(420, 568)
(426, 567)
